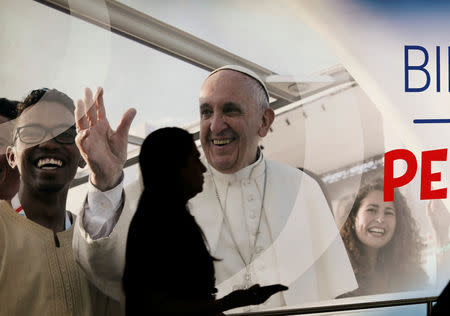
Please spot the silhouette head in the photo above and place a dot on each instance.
(170, 162)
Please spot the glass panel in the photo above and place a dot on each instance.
(271, 34)
(164, 90)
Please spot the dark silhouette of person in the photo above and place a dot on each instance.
(168, 266)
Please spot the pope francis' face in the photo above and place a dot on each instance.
(231, 121)
(44, 148)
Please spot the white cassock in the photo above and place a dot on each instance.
(298, 244)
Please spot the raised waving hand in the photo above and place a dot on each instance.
(103, 149)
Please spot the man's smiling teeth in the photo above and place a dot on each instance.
(49, 163)
(376, 230)
(221, 141)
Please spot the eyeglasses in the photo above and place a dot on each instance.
(34, 134)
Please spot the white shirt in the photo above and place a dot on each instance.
(100, 211)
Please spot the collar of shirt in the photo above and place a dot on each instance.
(17, 207)
(254, 170)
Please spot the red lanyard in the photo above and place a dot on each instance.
(15, 203)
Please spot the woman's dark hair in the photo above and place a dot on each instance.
(8, 108)
(404, 249)
(163, 152)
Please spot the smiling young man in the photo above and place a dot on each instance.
(38, 274)
(268, 222)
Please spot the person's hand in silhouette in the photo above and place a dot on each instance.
(252, 296)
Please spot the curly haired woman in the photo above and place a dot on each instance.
(383, 243)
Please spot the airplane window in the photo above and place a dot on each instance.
(325, 124)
